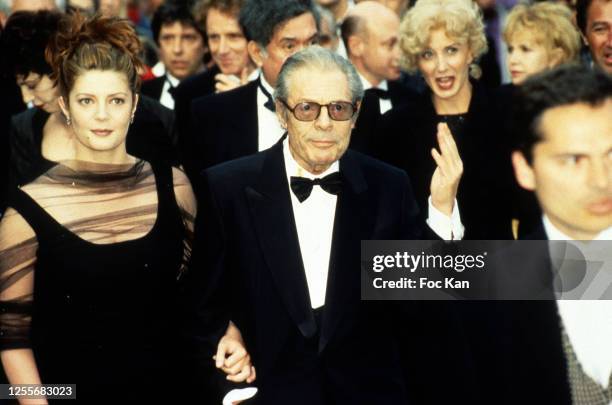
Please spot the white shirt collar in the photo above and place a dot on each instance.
(367, 85)
(294, 169)
(173, 80)
(265, 83)
(253, 75)
(555, 234)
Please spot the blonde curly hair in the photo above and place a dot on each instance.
(461, 19)
(549, 24)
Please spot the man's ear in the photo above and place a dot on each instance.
(523, 171)
(63, 107)
(281, 113)
(256, 53)
(356, 46)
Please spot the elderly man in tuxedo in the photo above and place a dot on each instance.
(278, 245)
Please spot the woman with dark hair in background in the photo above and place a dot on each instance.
(92, 252)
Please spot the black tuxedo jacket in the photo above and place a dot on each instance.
(369, 114)
(518, 350)
(247, 253)
(220, 127)
(153, 88)
(199, 85)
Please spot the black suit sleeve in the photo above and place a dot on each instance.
(206, 298)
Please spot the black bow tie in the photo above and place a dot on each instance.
(270, 103)
(302, 187)
(380, 93)
(171, 89)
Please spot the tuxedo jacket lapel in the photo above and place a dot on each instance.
(272, 213)
(353, 222)
(245, 122)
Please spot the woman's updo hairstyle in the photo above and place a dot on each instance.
(97, 43)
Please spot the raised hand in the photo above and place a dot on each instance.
(446, 177)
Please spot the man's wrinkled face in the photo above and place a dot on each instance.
(181, 49)
(289, 38)
(599, 33)
(315, 145)
(571, 170)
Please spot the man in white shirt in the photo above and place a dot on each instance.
(279, 239)
(564, 155)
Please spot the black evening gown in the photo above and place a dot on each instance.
(102, 316)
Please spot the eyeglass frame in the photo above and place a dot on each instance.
(354, 105)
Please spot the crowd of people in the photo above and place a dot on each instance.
(186, 184)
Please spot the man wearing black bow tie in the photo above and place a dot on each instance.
(370, 33)
(278, 245)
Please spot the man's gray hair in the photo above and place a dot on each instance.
(322, 59)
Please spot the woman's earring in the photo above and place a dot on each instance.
(132, 118)
(68, 120)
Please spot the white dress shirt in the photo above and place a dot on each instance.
(268, 126)
(166, 98)
(314, 221)
(588, 323)
(385, 105)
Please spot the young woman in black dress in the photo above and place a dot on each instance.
(92, 252)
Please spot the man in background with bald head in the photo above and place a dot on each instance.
(370, 33)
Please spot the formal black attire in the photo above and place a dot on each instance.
(100, 315)
(407, 134)
(518, 346)
(525, 206)
(153, 88)
(221, 127)
(149, 137)
(10, 104)
(199, 85)
(369, 116)
(248, 242)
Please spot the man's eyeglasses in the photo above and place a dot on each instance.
(309, 110)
